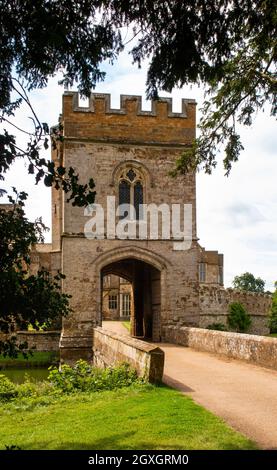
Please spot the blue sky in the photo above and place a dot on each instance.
(236, 215)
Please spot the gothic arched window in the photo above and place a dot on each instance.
(131, 190)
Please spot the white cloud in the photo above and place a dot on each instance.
(238, 214)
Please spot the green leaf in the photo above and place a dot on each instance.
(48, 180)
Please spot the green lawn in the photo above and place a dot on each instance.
(127, 325)
(273, 335)
(141, 417)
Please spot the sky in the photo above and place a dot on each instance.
(236, 215)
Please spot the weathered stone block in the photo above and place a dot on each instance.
(110, 349)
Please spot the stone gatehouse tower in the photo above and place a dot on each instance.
(129, 154)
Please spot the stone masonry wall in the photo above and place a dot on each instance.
(110, 349)
(82, 263)
(40, 340)
(256, 349)
(214, 302)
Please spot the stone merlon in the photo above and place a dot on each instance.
(130, 124)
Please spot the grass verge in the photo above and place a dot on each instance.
(138, 417)
(127, 325)
(37, 359)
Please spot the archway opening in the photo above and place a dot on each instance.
(140, 282)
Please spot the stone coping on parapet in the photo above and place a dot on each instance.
(129, 340)
(259, 350)
(38, 333)
(124, 99)
(216, 288)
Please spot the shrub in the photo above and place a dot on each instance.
(238, 319)
(217, 326)
(81, 378)
(273, 314)
(86, 378)
(273, 322)
(8, 389)
(32, 389)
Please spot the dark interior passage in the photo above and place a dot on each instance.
(146, 295)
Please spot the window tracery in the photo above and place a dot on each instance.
(131, 189)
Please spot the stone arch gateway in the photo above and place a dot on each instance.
(147, 273)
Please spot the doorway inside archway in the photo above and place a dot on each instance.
(143, 288)
(117, 298)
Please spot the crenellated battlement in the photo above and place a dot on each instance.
(129, 123)
(129, 104)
